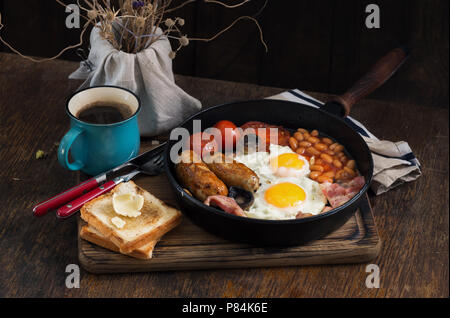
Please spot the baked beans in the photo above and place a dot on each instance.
(299, 136)
(328, 162)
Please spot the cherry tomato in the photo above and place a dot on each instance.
(203, 143)
(230, 133)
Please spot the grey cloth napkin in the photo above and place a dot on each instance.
(148, 74)
(394, 162)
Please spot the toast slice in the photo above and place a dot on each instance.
(90, 234)
(156, 219)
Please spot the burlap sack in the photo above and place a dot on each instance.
(148, 74)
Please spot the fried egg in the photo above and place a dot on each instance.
(281, 162)
(286, 163)
(285, 187)
(284, 198)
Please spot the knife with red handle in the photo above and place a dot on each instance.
(68, 195)
(73, 193)
(70, 208)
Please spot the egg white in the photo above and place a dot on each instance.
(276, 150)
(259, 163)
(314, 202)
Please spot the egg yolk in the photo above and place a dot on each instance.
(285, 195)
(287, 160)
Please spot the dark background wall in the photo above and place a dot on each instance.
(320, 45)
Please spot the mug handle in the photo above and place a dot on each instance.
(64, 146)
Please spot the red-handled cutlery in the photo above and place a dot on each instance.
(146, 162)
(152, 167)
(68, 195)
(68, 209)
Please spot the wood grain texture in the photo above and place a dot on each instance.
(321, 45)
(413, 220)
(189, 247)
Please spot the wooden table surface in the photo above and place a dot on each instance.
(413, 220)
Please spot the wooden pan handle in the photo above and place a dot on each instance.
(378, 74)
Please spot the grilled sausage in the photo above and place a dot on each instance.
(195, 175)
(234, 174)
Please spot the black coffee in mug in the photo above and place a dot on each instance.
(104, 130)
(104, 113)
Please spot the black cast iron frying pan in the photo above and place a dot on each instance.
(329, 120)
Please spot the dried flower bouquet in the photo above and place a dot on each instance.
(137, 22)
(130, 47)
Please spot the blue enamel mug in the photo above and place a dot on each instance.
(97, 147)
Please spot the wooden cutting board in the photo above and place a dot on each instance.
(189, 247)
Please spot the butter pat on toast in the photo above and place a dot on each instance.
(156, 219)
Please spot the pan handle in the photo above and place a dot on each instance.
(378, 74)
